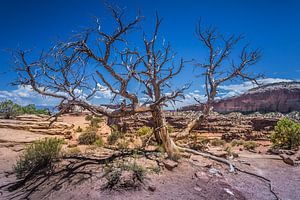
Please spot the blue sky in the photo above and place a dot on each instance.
(273, 26)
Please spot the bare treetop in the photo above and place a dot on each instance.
(222, 65)
(75, 71)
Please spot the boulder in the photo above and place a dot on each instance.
(73, 143)
(291, 159)
(151, 188)
(170, 164)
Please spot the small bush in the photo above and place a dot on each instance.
(88, 117)
(31, 109)
(145, 130)
(217, 142)
(170, 129)
(74, 151)
(79, 129)
(228, 149)
(91, 129)
(155, 169)
(88, 138)
(160, 148)
(9, 109)
(138, 171)
(95, 122)
(124, 175)
(123, 144)
(114, 136)
(113, 179)
(199, 144)
(286, 134)
(38, 156)
(99, 142)
(250, 145)
(236, 142)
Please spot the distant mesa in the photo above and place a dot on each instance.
(281, 97)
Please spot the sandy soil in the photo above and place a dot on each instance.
(192, 179)
(19, 136)
(77, 120)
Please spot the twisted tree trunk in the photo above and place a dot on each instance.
(161, 133)
(198, 120)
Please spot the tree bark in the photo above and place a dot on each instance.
(161, 133)
(201, 119)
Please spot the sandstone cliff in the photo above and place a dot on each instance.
(281, 97)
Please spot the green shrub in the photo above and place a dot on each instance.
(228, 149)
(135, 175)
(160, 148)
(217, 142)
(138, 171)
(8, 109)
(114, 136)
(95, 122)
(236, 142)
(88, 117)
(88, 138)
(123, 144)
(145, 130)
(250, 145)
(31, 109)
(155, 169)
(170, 129)
(286, 134)
(199, 143)
(74, 151)
(79, 129)
(99, 142)
(38, 156)
(91, 129)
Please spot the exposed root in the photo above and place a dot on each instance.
(207, 155)
(24, 188)
(232, 168)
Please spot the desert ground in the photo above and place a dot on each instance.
(261, 175)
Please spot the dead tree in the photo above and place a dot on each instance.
(222, 66)
(77, 70)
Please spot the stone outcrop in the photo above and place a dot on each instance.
(281, 97)
(230, 126)
(37, 124)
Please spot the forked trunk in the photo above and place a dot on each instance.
(161, 133)
(193, 124)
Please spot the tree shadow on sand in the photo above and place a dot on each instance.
(70, 170)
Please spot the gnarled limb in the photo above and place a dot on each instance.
(207, 155)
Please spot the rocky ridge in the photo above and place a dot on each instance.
(230, 126)
(281, 97)
(37, 124)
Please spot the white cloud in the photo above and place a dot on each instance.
(103, 93)
(24, 95)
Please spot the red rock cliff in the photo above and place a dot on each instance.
(281, 97)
